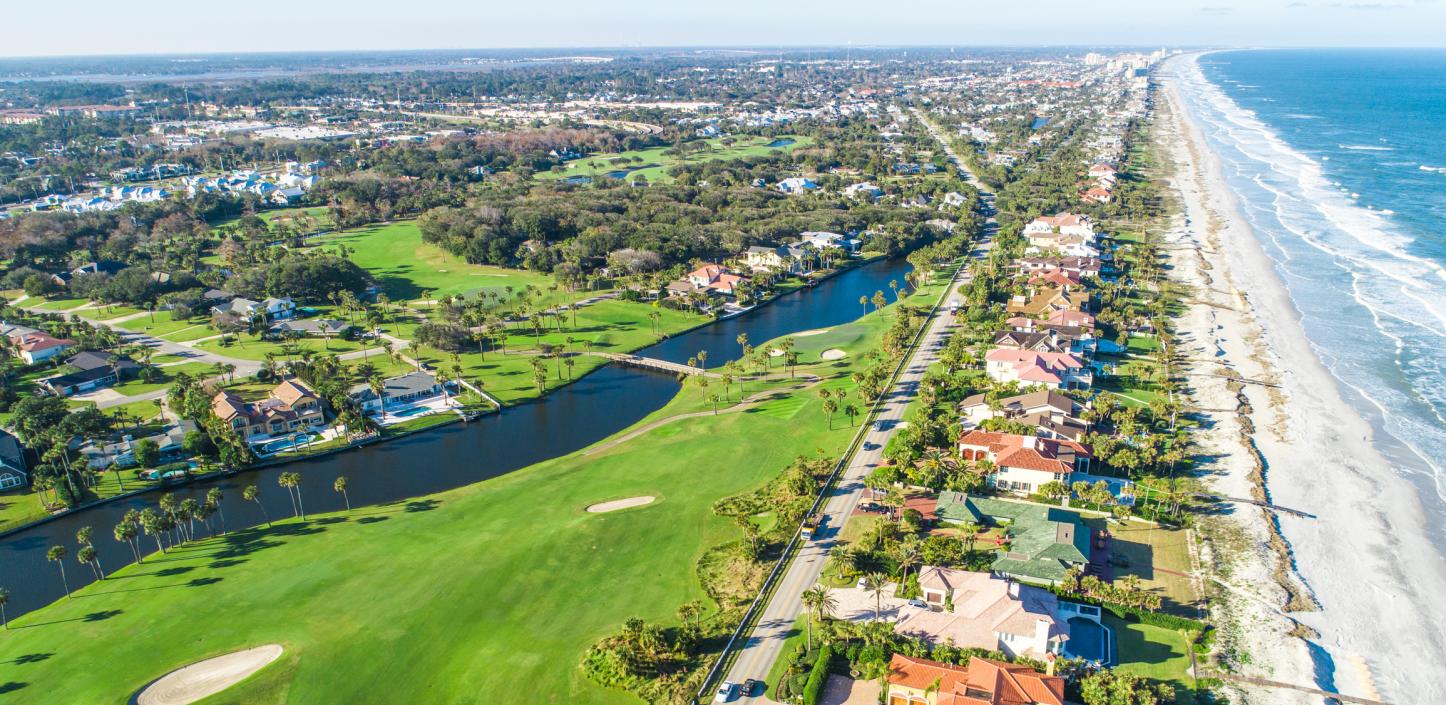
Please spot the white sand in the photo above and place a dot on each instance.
(816, 331)
(833, 354)
(1365, 558)
(603, 507)
(201, 680)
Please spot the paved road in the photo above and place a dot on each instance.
(763, 646)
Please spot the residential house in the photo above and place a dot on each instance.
(1066, 244)
(287, 196)
(272, 309)
(1054, 277)
(14, 472)
(291, 407)
(397, 392)
(863, 190)
(169, 446)
(796, 185)
(1044, 301)
(320, 327)
(1022, 464)
(1036, 341)
(1096, 194)
(917, 681)
(1044, 542)
(39, 347)
(106, 267)
(90, 370)
(826, 240)
(793, 258)
(1053, 370)
(1064, 224)
(979, 610)
(1066, 317)
(714, 278)
(1083, 266)
(1051, 414)
(1101, 170)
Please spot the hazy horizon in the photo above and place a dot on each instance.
(105, 29)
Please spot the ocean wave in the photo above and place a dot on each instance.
(1289, 201)
(1302, 116)
(1366, 148)
(1436, 169)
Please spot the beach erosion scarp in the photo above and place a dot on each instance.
(1357, 582)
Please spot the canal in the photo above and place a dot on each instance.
(572, 417)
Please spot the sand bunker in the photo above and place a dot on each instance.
(617, 504)
(204, 679)
(833, 354)
(816, 331)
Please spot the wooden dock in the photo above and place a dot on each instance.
(1258, 503)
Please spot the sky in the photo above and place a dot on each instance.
(110, 27)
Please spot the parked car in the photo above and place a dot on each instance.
(726, 691)
(750, 687)
(863, 584)
(916, 602)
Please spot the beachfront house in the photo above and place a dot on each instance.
(1062, 223)
(980, 610)
(1023, 464)
(1044, 542)
(917, 681)
(1053, 370)
(1050, 414)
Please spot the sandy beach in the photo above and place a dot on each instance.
(1344, 601)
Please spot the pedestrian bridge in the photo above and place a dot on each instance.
(655, 364)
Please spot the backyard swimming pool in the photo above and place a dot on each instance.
(279, 444)
(1088, 640)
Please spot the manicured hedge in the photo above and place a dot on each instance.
(1158, 619)
(817, 678)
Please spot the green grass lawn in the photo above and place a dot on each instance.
(168, 375)
(654, 165)
(110, 312)
(164, 324)
(404, 266)
(1152, 652)
(1160, 557)
(460, 596)
(249, 347)
(59, 304)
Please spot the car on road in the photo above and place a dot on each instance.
(750, 687)
(726, 691)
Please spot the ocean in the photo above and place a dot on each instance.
(1338, 160)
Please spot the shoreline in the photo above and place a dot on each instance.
(1369, 631)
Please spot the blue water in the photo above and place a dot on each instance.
(1339, 158)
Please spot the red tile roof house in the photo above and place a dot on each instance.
(1023, 463)
(916, 681)
(39, 347)
(1096, 195)
(1064, 224)
(1054, 278)
(716, 278)
(1054, 370)
(1079, 319)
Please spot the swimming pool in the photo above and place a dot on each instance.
(413, 411)
(279, 444)
(1088, 640)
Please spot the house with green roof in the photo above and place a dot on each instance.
(1044, 542)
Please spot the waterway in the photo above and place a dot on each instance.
(573, 417)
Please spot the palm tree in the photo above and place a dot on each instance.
(340, 486)
(213, 498)
(864, 301)
(818, 603)
(292, 482)
(126, 532)
(875, 584)
(56, 555)
(908, 558)
(86, 556)
(252, 494)
(151, 523)
(4, 598)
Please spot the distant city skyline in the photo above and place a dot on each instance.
(92, 27)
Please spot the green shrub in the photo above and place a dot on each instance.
(817, 677)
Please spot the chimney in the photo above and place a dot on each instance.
(1049, 663)
(1013, 589)
(1041, 634)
